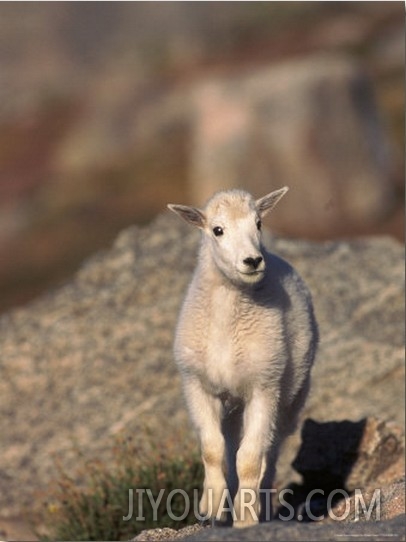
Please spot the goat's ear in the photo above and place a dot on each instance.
(268, 202)
(192, 215)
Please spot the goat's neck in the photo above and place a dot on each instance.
(211, 278)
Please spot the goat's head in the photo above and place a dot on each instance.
(231, 222)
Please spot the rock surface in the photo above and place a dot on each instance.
(94, 358)
(346, 462)
(278, 530)
(357, 471)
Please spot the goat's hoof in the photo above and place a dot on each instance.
(248, 521)
(206, 522)
(214, 522)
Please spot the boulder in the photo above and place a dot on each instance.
(93, 359)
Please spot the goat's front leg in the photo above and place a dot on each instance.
(258, 434)
(205, 411)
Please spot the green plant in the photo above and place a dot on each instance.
(95, 509)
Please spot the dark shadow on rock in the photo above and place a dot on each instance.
(325, 460)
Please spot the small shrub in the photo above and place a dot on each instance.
(94, 510)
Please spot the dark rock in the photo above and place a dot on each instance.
(345, 464)
(352, 453)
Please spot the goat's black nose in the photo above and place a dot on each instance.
(253, 262)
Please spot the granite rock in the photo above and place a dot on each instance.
(291, 531)
(93, 359)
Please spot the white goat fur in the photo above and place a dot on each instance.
(245, 343)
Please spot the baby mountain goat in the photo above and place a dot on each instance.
(245, 343)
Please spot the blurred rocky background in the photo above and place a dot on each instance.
(108, 110)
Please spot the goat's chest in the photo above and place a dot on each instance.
(235, 344)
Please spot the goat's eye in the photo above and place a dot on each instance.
(259, 224)
(218, 231)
